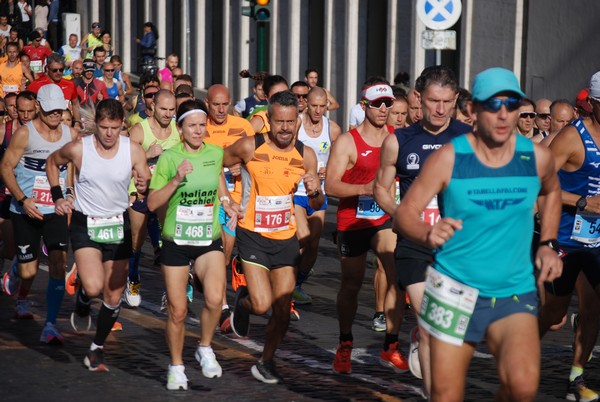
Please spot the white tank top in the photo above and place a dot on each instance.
(101, 188)
(321, 145)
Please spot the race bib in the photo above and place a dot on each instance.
(272, 213)
(447, 307)
(367, 208)
(36, 66)
(10, 88)
(41, 191)
(193, 225)
(586, 228)
(229, 179)
(106, 230)
(431, 214)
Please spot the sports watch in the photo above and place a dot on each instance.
(581, 203)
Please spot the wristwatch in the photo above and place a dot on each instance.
(581, 203)
(316, 194)
(22, 200)
(552, 243)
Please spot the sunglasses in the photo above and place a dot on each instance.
(150, 95)
(109, 71)
(376, 104)
(302, 96)
(56, 70)
(495, 104)
(543, 116)
(527, 115)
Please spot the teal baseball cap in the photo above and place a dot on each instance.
(493, 81)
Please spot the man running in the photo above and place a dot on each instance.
(488, 183)
(100, 234)
(273, 165)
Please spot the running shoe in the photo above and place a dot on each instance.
(132, 294)
(294, 314)
(394, 359)
(379, 322)
(71, 280)
(164, 302)
(45, 249)
(414, 363)
(225, 321)
(94, 360)
(578, 391)
(51, 336)
(23, 310)
(240, 317)
(81, 320)
(342, 363)
(117, 326)
(266, 372)
(11, 281)
(300, 296)
(176, 379)
(208, 361)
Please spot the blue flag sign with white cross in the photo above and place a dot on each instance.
(439, 14)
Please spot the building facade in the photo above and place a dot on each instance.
(545, 42)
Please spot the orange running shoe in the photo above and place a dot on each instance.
(394, 359)
(342, 363)
(117, 326)
(71, 281)
(294, 314)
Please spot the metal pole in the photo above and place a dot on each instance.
(260, 62)
(438, 57)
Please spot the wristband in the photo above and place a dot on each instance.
(225, 198)
(22, 200)
(57, 193)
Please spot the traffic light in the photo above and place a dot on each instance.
(259, 10)
(262, 10)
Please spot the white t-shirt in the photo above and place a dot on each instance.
(23, 6)
(357, 115)
(7, 31)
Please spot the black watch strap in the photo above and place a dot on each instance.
(22, 200)
(581, 203)
(552, 243)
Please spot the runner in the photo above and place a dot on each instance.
(488, 183)
(99, 231)
(362, 225)
(273, 165)
(32, 208)
(318, 133)
(154, 134)
(189, 179)
(402, 157)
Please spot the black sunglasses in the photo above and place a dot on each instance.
(543, 116)
(302, 96)
(525, 115)
(109, 71)
(55, 70)
(150, 95)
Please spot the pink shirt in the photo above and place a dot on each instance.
(166, 75)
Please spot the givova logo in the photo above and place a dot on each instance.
(498, 204)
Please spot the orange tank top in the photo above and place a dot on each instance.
(269, 182)
(11, 78)
(224, 135)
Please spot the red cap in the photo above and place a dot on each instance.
(582, 102)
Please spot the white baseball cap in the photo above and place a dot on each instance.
(51, 97)
(595, 86)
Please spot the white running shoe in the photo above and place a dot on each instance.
(132, 294)
(176, 379)
(207, 359)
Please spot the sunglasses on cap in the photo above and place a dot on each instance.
(525, 115)
(543, 116)
(495, 104)
(377, 103)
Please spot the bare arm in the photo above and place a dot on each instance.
(257, 124)
(27, 73)
(70, 153)
(343, 157)
(127, 84)
(14, 152)
(333, 104)
(240, 151)
(386, 175)
(550, 204)
(311, 179)
(141, 171)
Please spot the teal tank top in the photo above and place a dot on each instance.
(492, 252)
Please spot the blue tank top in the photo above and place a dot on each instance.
(113, 92)
(584, 182)
(492, 252)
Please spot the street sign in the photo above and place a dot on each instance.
(439, 14)
(438, 40)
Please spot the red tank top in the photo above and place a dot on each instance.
(363, 171)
